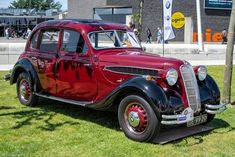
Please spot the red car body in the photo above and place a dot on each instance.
(120, 78)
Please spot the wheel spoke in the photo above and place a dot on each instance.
(136, 118)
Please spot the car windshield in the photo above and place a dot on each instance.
(106, 39)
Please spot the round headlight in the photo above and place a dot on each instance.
(172, 77)
(202, 73)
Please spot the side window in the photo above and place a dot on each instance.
(34, 40)
(73, 42)
(49, 40)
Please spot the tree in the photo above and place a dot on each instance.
(141, 8)
(35, 4)
(229, 59)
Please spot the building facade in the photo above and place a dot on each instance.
(214, 19)
(18, 20)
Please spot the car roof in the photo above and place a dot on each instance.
(84, 24)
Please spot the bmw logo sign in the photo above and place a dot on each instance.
(168, 4)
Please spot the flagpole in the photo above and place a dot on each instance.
(163, 28)
(199, 26)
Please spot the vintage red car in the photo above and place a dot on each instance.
(102, 66)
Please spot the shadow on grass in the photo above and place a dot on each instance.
(47, 109)
(104, 118)
(6, 108)
(28, 117)
(220, 126)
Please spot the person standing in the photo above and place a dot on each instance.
(224, 36)
(132, 25)
(7, 31)
(159, 35)
(149, 36)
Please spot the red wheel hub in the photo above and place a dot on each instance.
(137, 117)
(24, 90)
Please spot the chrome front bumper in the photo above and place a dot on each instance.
(214, 109)
(184, 117)
(187, 114)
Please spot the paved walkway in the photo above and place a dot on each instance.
(214, 55)
(6, 67)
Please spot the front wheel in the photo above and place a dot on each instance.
(210, 117)
(137, 119)
(25, 90)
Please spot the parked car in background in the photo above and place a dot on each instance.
(102, 66)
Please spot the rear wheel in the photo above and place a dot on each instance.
(137, 119)
(25, 90)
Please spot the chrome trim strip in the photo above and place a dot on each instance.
(214, 109)
(169, 116)
(79, 103)
(215, 106)
(171, 122)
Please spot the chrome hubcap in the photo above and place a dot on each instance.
(24, 90)
(134, 119)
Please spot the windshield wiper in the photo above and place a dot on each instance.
(106, 34)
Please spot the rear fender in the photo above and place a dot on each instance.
(24, 65)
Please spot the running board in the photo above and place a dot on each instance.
(74, 102)
(173, 134)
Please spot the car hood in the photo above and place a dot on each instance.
(137, 58)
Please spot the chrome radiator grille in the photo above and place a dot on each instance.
(191, 87)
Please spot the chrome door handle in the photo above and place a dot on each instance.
(88, 65)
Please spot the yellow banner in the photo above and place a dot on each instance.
(178, 20)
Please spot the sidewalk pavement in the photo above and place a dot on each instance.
(6, 67)
(214, 53)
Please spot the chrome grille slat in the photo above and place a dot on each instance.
(191, 87)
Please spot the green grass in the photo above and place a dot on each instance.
(57, 129)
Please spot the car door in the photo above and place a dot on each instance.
(75, 74)
(46, 59)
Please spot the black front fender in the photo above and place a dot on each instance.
(150, 90)
(153, 93)
(209, 91)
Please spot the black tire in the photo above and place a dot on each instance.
(24, 89)
(210, 117)
(139, 128)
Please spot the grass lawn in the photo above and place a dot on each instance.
(57, 129)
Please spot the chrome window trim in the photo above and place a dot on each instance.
(114, 30)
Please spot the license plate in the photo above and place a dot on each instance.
(197, 120)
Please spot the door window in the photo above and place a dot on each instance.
(49, 41)
(34, 41)
(73, 42)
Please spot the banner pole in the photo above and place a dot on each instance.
(199, 26)
(163, 28)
